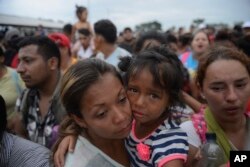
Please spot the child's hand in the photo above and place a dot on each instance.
(66, 145)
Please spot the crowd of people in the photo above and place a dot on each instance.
(88, 97)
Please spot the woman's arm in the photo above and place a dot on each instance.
(192, 102)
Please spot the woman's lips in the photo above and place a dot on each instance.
(126, 128)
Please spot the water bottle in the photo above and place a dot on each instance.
(212, 154)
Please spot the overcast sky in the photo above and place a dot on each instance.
(132, 12)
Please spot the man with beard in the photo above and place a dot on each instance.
(39, 107)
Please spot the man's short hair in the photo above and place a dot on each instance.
(46, 47)
(67, 28)
(127, 29)
(84, 31)
(106, 29)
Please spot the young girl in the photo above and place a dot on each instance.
(153, 81)
(82, 15)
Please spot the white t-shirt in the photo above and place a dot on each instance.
(114, 58)
(84, 53)
(193, 137)
(87, 155)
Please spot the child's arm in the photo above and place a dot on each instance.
(67, 144)
(68, 132)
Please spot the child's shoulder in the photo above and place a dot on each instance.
(169, 128)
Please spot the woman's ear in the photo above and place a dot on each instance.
(80, 121)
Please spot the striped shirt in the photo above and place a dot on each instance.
(166, 143)
(18, 152)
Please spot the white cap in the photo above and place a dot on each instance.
(246, 24)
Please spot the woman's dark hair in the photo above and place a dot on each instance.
(78, 78)
(220, 53)
(164, 66)
(3, 117)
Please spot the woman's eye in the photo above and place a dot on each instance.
(241, 85)
(101, 114)
(217, 88)
(123, 99)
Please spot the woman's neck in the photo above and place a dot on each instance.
(232, 127)
(108, 49)
(196, 56)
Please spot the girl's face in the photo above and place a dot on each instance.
(105, 109)
(200, 43)
(226, 88)
(83, 16)
(148, 101)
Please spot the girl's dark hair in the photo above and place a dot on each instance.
(78, 78)
(164, 66)
(220, 53)
(79, 10)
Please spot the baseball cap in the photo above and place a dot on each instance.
(60, 39)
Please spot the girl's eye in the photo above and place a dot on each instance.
(154, 96)
(132, 90)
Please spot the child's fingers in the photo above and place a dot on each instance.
(62, 150)
(58, 161)
(72, 143)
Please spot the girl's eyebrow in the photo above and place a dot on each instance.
(157, 91)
